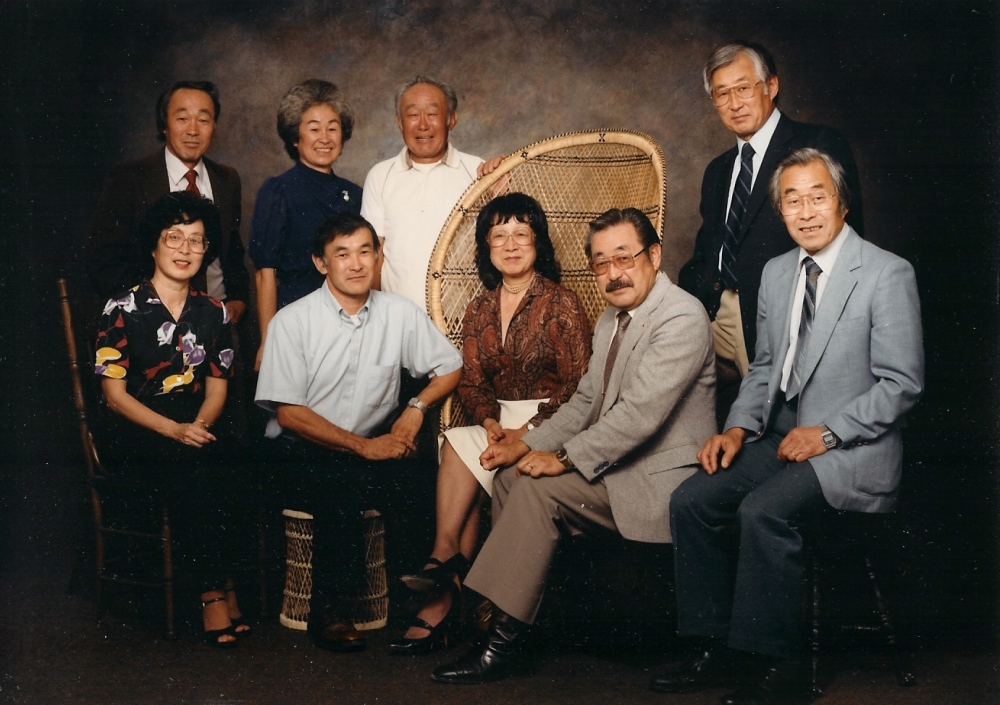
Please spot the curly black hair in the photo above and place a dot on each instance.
(523, 209)
(171, 209)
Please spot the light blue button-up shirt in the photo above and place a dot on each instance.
(347, 368)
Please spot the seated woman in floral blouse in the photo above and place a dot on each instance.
(526, 343)
(164, 355)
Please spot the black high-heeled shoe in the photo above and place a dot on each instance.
(431, 579)
(212, 636)
(439, 635)
(238, 622)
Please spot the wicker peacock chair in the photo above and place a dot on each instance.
(575, 177)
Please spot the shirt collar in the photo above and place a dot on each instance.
(331, 301)
(450, 159)
(827, 257)
(761, 138)
(176, 169)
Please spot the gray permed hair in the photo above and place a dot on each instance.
(299, 99)
(802, 157)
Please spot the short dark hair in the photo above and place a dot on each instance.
(340, 225)
(523, 209)
(633, 216)
(175, 208)
(802, 157)
(164, 100)
(299, 99)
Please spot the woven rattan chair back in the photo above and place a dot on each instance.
(575, 177)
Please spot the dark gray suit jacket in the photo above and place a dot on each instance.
(764, 233)
(114, 262)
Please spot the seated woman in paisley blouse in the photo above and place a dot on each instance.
(314, 122)
(526, 343)
(164, 356)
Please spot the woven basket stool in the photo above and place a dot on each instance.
(371, 611)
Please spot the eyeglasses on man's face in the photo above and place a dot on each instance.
(175, 238)
(819, 200)
(743, 91)
(621, 262)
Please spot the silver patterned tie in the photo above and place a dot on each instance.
(805, 326)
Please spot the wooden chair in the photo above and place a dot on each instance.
(575, 177)
(102, 487)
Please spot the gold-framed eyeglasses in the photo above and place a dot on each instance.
(743, 91)
(175, 238)
(621, 262)
(819, 200)
(496, 238)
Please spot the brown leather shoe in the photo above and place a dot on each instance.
(338, 636)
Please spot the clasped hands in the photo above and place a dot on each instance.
(506, 449)
(799, 445)
(399, 442)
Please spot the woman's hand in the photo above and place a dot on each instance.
(494, 430)
(192, 434)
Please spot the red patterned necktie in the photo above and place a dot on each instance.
(192, 178)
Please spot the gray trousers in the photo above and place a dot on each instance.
(530, 516)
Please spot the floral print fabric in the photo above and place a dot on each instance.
(139, 341)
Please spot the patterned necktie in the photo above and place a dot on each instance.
(805, 326)
(738, 206)
(192, 177)
(623, 320)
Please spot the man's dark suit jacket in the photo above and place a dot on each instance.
(764, 233)
(114, 262)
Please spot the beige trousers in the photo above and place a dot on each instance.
(728, 332)
(530, 516)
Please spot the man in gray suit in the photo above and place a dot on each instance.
(609, 459)
(816, 425)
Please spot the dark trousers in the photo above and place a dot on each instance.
(336, 488)
(755, 509)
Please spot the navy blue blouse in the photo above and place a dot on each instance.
(289, 210)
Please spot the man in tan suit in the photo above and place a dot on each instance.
(609, 459)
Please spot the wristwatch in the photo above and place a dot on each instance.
(830, 439)
(563, 458)
(417, 404)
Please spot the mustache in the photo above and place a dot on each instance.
(617, 284)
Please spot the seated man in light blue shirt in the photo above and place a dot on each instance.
(330, 377)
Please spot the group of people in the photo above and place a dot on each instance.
(786, 329)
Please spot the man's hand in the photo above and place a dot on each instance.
(236, 309)
(489, 166)
(408, 424)
(539, 464)
(728, 444)
(800, 444)
(387, 447)
(502, 455)
(192, 434)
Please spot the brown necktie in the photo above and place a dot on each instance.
(192, 178)
(623, 320)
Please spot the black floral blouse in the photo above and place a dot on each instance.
(139, 341)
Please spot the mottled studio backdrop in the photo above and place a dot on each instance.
(912, 85)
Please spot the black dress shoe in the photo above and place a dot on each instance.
(713, 666)
(784, 683)
(340, 636)
(502, 655)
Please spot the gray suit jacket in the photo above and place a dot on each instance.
(641, 436)
(864, 369)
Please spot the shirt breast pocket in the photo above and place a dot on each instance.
(381, 386)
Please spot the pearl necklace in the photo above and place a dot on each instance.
(520, 287)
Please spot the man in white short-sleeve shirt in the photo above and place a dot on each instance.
(408, 198)
(330, 377)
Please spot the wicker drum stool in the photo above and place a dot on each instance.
(372, 608)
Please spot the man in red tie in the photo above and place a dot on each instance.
(186, 116)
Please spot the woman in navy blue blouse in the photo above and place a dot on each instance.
(314, 122)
